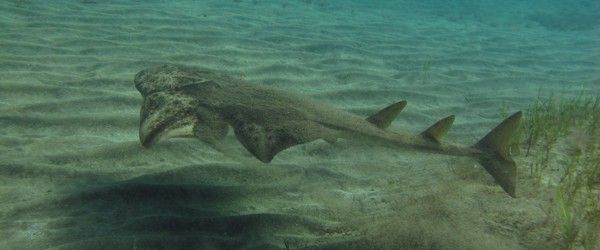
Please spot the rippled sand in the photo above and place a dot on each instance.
(73, 175)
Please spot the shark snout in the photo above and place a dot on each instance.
(165, 115)
(150, 130)
(160, 126)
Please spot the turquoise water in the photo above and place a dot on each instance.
(73, 173)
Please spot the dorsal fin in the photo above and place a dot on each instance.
(438, 130)
(383, 118)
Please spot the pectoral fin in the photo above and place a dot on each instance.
(264, 143)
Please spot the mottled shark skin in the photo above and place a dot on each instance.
(182, 101)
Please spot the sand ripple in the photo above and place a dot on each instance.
(73, 175)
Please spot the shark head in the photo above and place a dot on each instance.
(171, 104)
(165, 115)
(169, 77)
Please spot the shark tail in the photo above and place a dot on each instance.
(496, 158)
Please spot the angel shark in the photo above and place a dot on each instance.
(183, 101)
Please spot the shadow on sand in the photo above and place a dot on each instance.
(178, 209)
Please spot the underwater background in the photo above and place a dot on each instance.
(73, 174)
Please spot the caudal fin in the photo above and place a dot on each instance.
(497, 159)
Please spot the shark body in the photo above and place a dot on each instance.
(182, 101)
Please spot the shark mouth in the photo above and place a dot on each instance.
(153, 130)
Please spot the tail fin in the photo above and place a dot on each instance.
(383, 118)
(498, 161)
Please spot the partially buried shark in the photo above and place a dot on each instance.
(183, 101)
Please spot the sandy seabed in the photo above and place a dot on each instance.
(74, 176)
